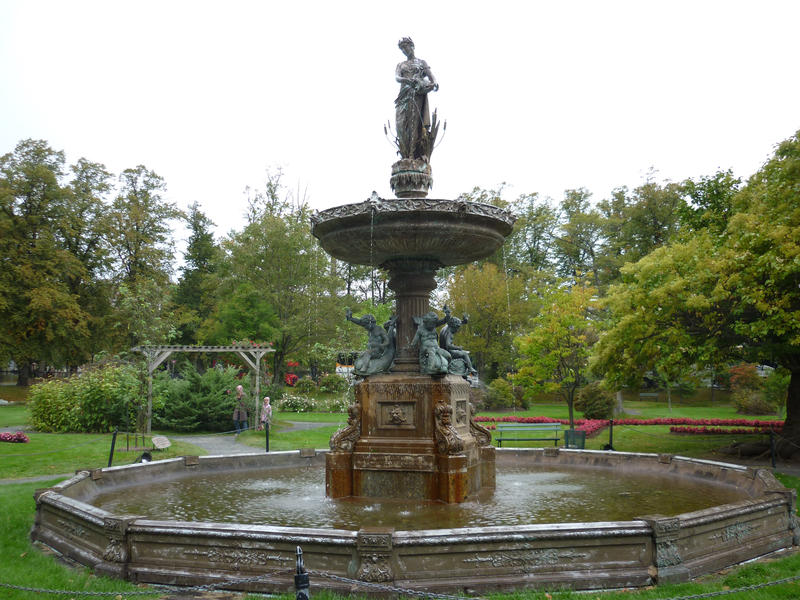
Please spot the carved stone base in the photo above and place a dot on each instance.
(411, 178)
(416, 442)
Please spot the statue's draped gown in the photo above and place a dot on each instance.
(412, 113)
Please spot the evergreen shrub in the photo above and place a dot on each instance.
(595, 402)
(197, 402)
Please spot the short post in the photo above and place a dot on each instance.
(266, 435)
(772, 446)
(610, 434)
(301, 582)
(113, 443)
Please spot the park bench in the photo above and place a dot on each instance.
(648, 395)
(508, 432)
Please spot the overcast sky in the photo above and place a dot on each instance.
(544, 96)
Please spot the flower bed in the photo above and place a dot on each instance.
(683, 430)
(678, 425)
(14, 438)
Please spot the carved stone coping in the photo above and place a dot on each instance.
(379, 205)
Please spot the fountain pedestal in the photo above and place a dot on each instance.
(416, 440)
(411, 435)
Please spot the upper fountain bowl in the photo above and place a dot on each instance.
(449, 232)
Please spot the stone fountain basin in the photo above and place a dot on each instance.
(449, 232)
(648, 549)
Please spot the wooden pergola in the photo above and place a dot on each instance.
(158, 354)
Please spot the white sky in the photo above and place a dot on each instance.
(542, 95)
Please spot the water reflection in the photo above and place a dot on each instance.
(296, 497)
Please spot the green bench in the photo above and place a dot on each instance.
(648, 395)
(523, 432)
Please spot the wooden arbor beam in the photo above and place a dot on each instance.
(156, 355)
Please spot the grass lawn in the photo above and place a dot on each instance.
(60, 453)
(13, 416)
(281, 439)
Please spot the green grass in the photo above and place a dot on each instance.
(281, 439)
(13, 416)
(24, 565)
(61, 453)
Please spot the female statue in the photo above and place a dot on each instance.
(412, 114)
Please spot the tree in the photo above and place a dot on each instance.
(554, 355)
(40, 316)
(578, 244)
(706, 297)
(140, 238)
(497, 306)
(194, 296)
(276, 266)
(139, 232)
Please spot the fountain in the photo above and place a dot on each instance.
(411, 442)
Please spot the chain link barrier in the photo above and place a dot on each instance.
(352, 582)
(157, 589)
(389, 588)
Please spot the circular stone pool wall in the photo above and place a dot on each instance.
(638, 552)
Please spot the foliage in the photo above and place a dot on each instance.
(96, 400)
(295, 403)
(743, 377)
(499, 394)
(195, 401)
(194, 293)
(333, 384)
(776, 386)
(274, 282)
(752, 402)
(497, 305)
(305, 386)
(595, 401)
(555, 354)
(17, 437)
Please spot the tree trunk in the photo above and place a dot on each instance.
(24, 374)
(791, 427)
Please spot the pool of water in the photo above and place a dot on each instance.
(296, 498)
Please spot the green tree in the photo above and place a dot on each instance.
(577, 246)
(497, 305)
(554, 355)
(139, 234)
(706, 297)
(41, 318)
(276, 266)
(194, 297)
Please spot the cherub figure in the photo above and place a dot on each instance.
(433, 359)
(457, 352)
(379, 355)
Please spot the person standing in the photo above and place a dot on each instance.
(266, 419)
(266, 414)
(240, 412)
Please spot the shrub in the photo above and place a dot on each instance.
(499, 394)
(305, 386)
(195, 402)
(294, 403)
(750, 402)
(744, 377)
(93, 401)
(776, 387)
(595, 402)
(333, 384)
